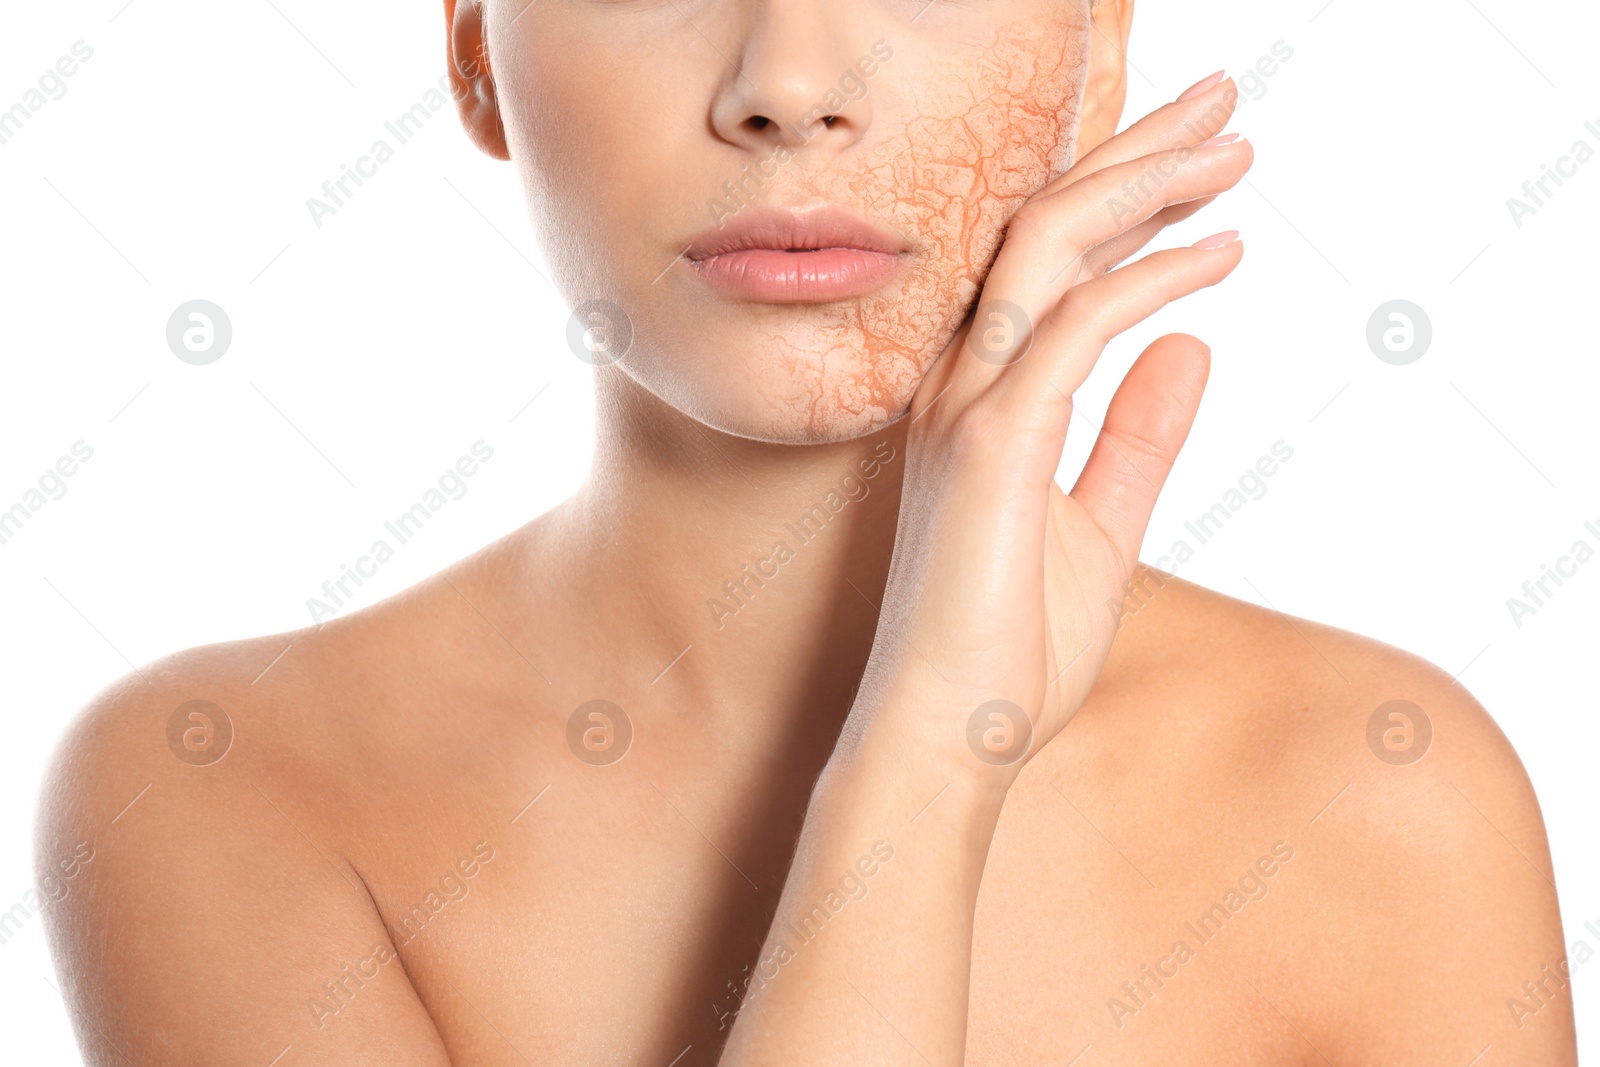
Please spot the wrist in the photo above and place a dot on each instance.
(922, 756)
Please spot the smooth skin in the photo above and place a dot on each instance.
(403, 859)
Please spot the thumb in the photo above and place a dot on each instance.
(1146, 425)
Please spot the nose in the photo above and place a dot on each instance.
(794, 81)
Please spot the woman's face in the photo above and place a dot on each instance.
(653, 136)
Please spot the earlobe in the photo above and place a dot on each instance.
(471, 80)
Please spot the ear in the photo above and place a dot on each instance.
(1104, 93)
(471, 80)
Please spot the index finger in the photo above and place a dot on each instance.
(1183, 123)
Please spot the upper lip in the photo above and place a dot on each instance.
(783, 229)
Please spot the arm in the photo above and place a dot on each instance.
(998, 592)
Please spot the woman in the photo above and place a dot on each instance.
(757, 750)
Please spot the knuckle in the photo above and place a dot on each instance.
(1029, 228)
(1135, 444)
(1091, 312)
(1051, 223)
(1031, 216)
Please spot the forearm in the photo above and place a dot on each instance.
(869, 954)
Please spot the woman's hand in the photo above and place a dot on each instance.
(1003, 596)
(998, 592)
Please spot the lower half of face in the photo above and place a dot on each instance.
(963, 116)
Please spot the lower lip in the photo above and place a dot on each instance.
(771, 276)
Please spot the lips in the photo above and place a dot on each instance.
(781, 256)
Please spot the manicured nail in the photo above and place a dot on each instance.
(1202, 85)
(1219, 140)
(1218, 240)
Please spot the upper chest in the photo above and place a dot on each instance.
(611, 914)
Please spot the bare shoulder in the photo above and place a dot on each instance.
(198, 903)
(204, 722)
(1422, 890)
(152, 731)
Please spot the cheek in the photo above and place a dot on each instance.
(975, 147)
(580, 178)
(573, 119)
(951, 163)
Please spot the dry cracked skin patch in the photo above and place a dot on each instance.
(960, 136)
(973, 148)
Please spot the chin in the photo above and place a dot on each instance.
(821, 395)
(810, 384)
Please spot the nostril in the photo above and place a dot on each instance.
(761, 122)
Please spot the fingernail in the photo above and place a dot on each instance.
(1219, 140)
(1202, 85)
(1218, 240)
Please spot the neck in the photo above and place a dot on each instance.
(740, 574)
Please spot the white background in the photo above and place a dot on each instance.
(369, 354)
